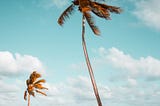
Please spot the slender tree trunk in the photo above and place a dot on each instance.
(89, 65)
(28, 99)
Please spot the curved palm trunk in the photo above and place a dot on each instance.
(28, 99)
(89, 65)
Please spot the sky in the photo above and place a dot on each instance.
(125, 57)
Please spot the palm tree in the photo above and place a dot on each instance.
(85, 7)
(34, 85)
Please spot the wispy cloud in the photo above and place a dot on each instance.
(60, 3)
(149, 12)
(52, 3)
(146, 11)
(16, 64)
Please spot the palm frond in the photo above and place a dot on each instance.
(100, 11)
(66, 14)
(30, 88)
(39, 86)
(37, 75)
(40, 81)
(99, 0)
(25, 95)
(41, 92)
(84, 5)
(32, 93)
(27, 82)
(34, 76)
(90, 21)
(113, 9)
(75, 2)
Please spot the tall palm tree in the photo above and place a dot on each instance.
(86, 7)
(34, 85)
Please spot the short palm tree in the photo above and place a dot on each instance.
(86, 7)
(34, 85)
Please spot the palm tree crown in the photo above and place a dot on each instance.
(34, 85)
(87, 6)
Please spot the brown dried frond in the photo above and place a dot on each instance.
(30, 88)
(25, 95)
(99, 0)
(100, 11)
(113, 9)
(40, 81)
(32, 80)
(34, 76)
(75, 2)
(84, 5)
(32, 93)
(66, 14)
(90, 21)
(39, 86)
(37, 75)
(41, 92)
(27, 82)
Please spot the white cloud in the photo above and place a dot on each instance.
(136, 96)
(149, 12)
(10, 93)
(130, 87)
(78, 92)
(148, 66)
(132, 82)
(7, 88)
(121, 60)
(73, 92)
(11, 64)
(81, 85)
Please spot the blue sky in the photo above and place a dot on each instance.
(125, 58)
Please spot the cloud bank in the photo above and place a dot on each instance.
(16, 64)
(73, 92)
(77, 91)
(136, 82)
